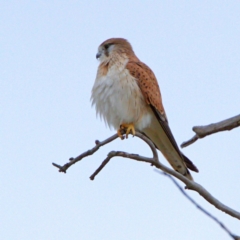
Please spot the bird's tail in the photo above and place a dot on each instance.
(189, 163)
(177, 160)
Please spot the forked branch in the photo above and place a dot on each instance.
(154, 161)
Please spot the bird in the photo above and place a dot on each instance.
(126, 95)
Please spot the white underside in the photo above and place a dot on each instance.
(118, 99)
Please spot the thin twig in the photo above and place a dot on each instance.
(104, 163)
(154, 161)
(85, 154)
(233, 236)
(124, 155)
(203, 131)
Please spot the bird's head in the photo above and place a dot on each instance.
(112, 46)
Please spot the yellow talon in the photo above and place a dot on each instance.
(128, 128)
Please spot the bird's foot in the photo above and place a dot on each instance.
(126, 128)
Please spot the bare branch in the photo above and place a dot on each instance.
(203, 131)
(154, 161)
(85, 154)
(193, 186)
(104, 163)
(124, 155)
(233, 236)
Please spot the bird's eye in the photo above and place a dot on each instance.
(107, 46)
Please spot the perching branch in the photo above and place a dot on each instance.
(154, 161)
(203, 131)
(85, 154)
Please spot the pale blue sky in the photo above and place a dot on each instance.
(48, 66)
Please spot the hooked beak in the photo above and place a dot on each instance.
(98, 55)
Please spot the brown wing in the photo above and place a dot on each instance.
(149, 86)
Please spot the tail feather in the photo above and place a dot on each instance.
(189, 163)
(160, 134)
(162, 143)
(177, 160)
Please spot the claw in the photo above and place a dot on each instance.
(119, 132)
(128, 128)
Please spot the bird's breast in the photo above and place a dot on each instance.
(118, 99)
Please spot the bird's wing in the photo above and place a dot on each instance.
(149, 87)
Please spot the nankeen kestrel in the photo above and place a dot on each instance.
(126, 95)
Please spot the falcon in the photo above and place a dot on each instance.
(127, 96)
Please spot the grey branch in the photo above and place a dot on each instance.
(203, 131)
(154, 161)
(85, 154)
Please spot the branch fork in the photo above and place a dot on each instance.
(154, 161)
